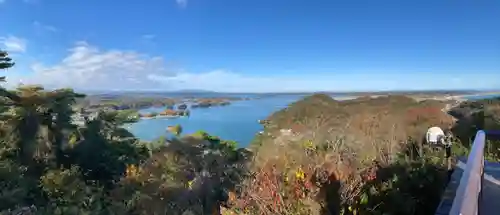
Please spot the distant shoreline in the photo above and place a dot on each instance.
(161, 117)
(354, 93)
(459, 97)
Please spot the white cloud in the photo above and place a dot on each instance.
(181, 3)
(88, 67)
(13, 44)
(39, 26)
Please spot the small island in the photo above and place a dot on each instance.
(167, 113)
(210, 102)
(182, 107)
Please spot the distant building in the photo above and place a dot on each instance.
(286, 131)
(80, 118)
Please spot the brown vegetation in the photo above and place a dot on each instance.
(148, 115)
(340, 147)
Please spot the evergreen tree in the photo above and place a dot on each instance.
(5, 62)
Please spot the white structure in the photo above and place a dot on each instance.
(286, 131)
(435, 135)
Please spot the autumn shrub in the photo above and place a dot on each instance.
(342, 149)
(336, 182)
(187, 175)
(407, 186)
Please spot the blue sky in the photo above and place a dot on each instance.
(253, 45)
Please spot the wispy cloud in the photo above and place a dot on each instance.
(43, 27)
(13, 44)
(88, 67)
(182, 3)
(148, 36)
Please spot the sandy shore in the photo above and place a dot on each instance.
(441, 98)
(459, 98)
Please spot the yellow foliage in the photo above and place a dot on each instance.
(190, 184)
(300, 174)
(72, 140)
(132, 171)
(309, 145)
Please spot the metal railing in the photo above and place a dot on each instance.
(468, 194)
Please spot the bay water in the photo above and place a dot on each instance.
(237, 121)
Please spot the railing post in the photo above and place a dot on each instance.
(468, 196)
(480, 199)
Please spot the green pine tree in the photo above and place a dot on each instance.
(5, 62)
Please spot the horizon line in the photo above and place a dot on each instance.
(292, 92)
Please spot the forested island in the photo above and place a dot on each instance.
(121, 102)
(317, 156)
(129, 105)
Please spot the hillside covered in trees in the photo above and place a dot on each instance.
(50, 166)
(482, 114)
(361, 156)
(317, 156)
(358, 156)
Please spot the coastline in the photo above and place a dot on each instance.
(459, 98)
(449, 101)
(162, 117)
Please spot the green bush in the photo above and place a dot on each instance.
(16, 188)
(68, 193)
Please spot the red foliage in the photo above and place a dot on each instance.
(423, 111)
(297, 128)
(433, 115)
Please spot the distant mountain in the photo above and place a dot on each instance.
(192, 91)
(148, 92)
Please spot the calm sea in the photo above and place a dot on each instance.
(481, 97)
(238, 121)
